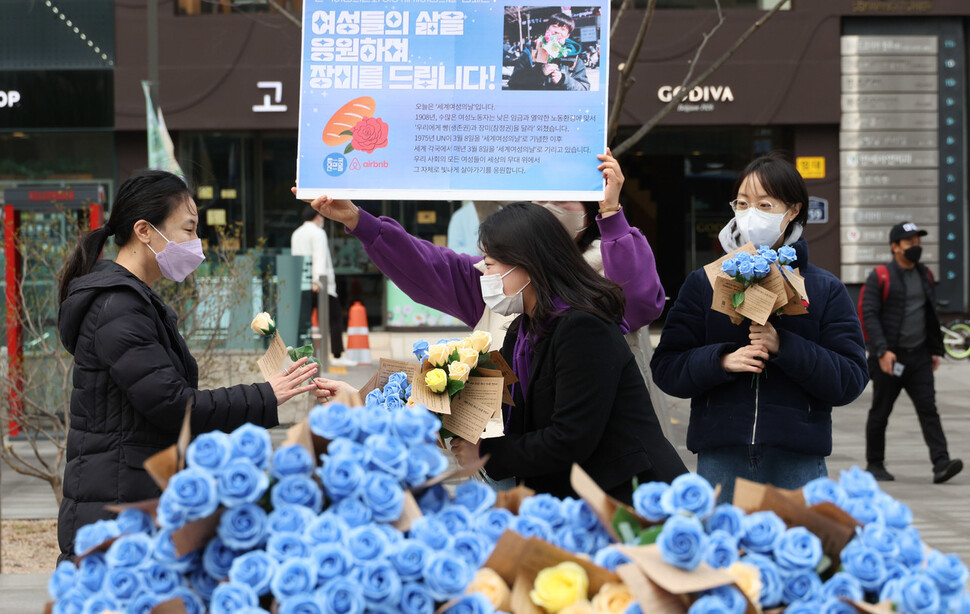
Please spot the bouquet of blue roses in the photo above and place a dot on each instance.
(756, 283)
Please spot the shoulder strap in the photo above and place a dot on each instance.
(882, 273)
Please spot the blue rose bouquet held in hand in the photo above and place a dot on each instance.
(755, 283)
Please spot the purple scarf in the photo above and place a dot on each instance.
(524, 350)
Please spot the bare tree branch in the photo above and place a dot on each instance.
(626, 79)
(670, 106)
(285, 13)
(624, 5)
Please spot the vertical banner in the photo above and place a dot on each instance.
(161, 150)
(452, 100)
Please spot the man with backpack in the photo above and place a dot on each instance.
(897, 307)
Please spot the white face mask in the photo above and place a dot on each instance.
(573, 221)
(493, 293)
(759, 227)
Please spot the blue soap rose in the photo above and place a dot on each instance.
(746, 270)
(353, 511)
(545, 507)
(62, 580)
(762, 531)
(761, 266)
(301, 604)
(842, 585)
(163, 551)
(383, 495)
(143, 602)
(374, 398)
(381, 586)
(366, 544)
(202, 582)
(822, 490)
(388, 454)
(409, 557)
(475, 603)
(434, 499)
(341, 596)
(918, 594)
(241, 481)
(492, 523)
(72, 602)
(217, 558)
(708, 604)
(730, 267)
(121, 583)
(682, 541)
(283, 546)
(798, 548)
(865, 563)
(297, 490)
(394, 403)
(410, 425)
(210, 451)
(347, 447)
(864, 509)
(896, 514)
(252, 442)
(133, 550)
(446, 575)
(803, 607)
(433, 456)
(725, 517)
(255, 569)
(335, 420)
(475, 496)
(689, 492)
(243, 527)
(342, 476)
(722, 549)
(100, 603)
(91, 535)
(948, 571)
(787, 255)
(376, 420)
(91, 571)
(456, 518)
(858, 483)
(800, 585)
(430, 531)
(293, 577)
(881, 538)
(289, 519)
(732, 597)
(472, 547)
(836, 606)
(578, 514)
(230, 597)
(531, 526)
(646, 500)
(911, 547)
(134, 520)
(161, 580)
(332, 561)
(771, 579)
(326, 528)
(415, 599)
(292, 459)
(610, 558)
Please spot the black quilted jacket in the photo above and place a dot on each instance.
(133, 375)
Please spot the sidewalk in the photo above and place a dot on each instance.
(941, 512)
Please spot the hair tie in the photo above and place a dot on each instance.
(108, 231)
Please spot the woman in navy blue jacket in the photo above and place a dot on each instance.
(776, 428)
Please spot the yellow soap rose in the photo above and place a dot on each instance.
(458, 371)
(580, 607)
(468, 357)
(748, 579)
(465, 343)
(438, 354)
(490, 584)
(436, 380)
(481, 341)
(558, 587)
(613, 598)
(263, 324)
(453, 345)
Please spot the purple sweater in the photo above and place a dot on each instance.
(447, 281)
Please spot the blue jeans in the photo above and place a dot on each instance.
(758, 463)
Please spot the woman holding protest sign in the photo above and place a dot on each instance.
(762, 396)
(133, 373)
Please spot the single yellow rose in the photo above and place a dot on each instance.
(613, 598)
(438, 354)
(468, 356)
(459, 371)
(465, 343)
(453, 345)
(481, 341)
(490, 584)
(748, 579)
(263, 324)
(436, 380)
(580, 607)
(558, 587)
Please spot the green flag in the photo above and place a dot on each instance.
(161, 150)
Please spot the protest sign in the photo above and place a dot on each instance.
(433, 100)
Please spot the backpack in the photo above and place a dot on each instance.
(882, 274)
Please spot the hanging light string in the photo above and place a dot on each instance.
(77, 31)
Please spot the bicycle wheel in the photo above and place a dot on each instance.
(957, 349)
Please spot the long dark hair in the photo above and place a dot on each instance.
(524, 235)
(592, 231)
(781, 180)
(148, 195)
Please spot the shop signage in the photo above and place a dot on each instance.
(272, 100)
(811, 167)
(45, 197)
(56, 99)
(9, 98)
(700, 98)
(818, 210)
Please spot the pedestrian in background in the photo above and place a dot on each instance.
(775, 428)
(310, 239)
(905, 346)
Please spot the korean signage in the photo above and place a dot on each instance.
(433, 100)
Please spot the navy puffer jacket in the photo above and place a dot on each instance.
(821, 363)
(133, 375)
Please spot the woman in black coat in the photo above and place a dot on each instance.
(580, 397)
(133, 373)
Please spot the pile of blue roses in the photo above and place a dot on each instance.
(885, 560)
(315, 538)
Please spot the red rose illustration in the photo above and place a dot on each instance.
(370, 133)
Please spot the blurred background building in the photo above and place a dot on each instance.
(868, 95)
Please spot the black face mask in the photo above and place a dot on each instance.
(913, 253)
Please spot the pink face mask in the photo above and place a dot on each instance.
(178, 260)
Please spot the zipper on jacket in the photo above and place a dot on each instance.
(754, 427)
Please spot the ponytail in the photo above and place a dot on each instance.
(149, 195)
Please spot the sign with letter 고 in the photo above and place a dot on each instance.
(452, 100)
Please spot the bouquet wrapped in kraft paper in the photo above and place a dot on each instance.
(755, 283)
(465, 382)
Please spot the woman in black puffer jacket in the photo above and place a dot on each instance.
(133, 373)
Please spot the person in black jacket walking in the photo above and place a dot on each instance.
(777, 428)
(580, 397)
(133, 373)
(905, 347)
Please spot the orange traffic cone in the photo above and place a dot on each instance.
(358, 343)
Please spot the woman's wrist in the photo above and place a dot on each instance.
(352, 217)
(607, 209)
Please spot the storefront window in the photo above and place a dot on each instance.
(56, 156)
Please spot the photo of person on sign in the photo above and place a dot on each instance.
(550, 59)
